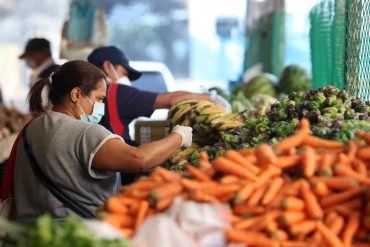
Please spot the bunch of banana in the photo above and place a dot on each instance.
(206, 118)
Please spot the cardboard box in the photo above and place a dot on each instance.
(148, 131)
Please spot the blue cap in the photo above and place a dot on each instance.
(115, 56)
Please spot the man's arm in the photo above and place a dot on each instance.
(166, 100)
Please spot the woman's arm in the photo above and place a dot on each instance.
(115, 155)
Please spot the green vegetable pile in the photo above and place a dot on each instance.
(46, 233)
(331, 112)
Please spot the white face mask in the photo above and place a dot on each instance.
(121, 80)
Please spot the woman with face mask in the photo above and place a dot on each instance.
(71, 152)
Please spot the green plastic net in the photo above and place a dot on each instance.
(358, 48)
(340, 45)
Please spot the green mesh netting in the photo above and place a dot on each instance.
(358, 48)
(321, 40)
(340, 45)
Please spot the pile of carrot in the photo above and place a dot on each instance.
(304, 191)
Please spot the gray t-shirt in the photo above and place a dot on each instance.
(64, 149)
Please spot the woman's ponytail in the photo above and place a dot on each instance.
(35, 95)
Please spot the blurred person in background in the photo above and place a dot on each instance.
(38, 57)
(125, 103)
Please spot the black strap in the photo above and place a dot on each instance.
(53, 188)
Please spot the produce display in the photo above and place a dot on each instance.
(11, 121)
(294, 78)
(332, 113)
(47, 232)
(207, 119)
(303, 191)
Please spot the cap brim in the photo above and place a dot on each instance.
(23, 55)
(132, 73)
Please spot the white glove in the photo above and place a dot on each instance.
(185, 133)
(219, 100)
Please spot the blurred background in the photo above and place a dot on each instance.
(203, 43)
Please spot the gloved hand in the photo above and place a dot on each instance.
(185, 133)
(219, 100)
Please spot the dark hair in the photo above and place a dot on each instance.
(68, 76)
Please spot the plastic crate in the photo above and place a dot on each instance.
(148, 131)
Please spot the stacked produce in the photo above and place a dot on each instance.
(11, 121)
(304, 191)
(332, 113)
(294, 78)
(47, 232)
(209, 121)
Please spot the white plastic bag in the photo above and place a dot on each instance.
(185, 224)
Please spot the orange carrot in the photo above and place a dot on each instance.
(336, 226)
(229, 179)
(164, 203)
(330, 217)
(250, 238)
(242, 209)
(290, 218)
(138, 194)
(364, 136)
(247, 151)
(293, 244)
(256, 196)
(248, 222)
(353, 204)
(234, 219)
(351, 228)
(338, 183)
(364, 153)
(361, 234)
(280, 235)
(360, 167)
(190, 184)
(114, 205)
(267, 174)
(230, 167)
(288, 161)
(227, 197)
(333, 199)
(292, 204)
(344, 170)
(143, 210)
(198, 174)
(326, 164)
(309, 161)
(320, 189)
(265, 155)
(167, 175)
(221, 189)
(352, 150)
(303, 228)
(143, 185)
(128, 232)
(238, 158)
(165, 190)
(199, 196)
(244, 193)
(296, 139)
(251, 158)
(312, 205)
(293, 189)
(272, 190)
(330, 238)
(119, 220)
(203, 156)
(316, 142)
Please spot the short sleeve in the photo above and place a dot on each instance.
(91, 141)
(133, 103)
